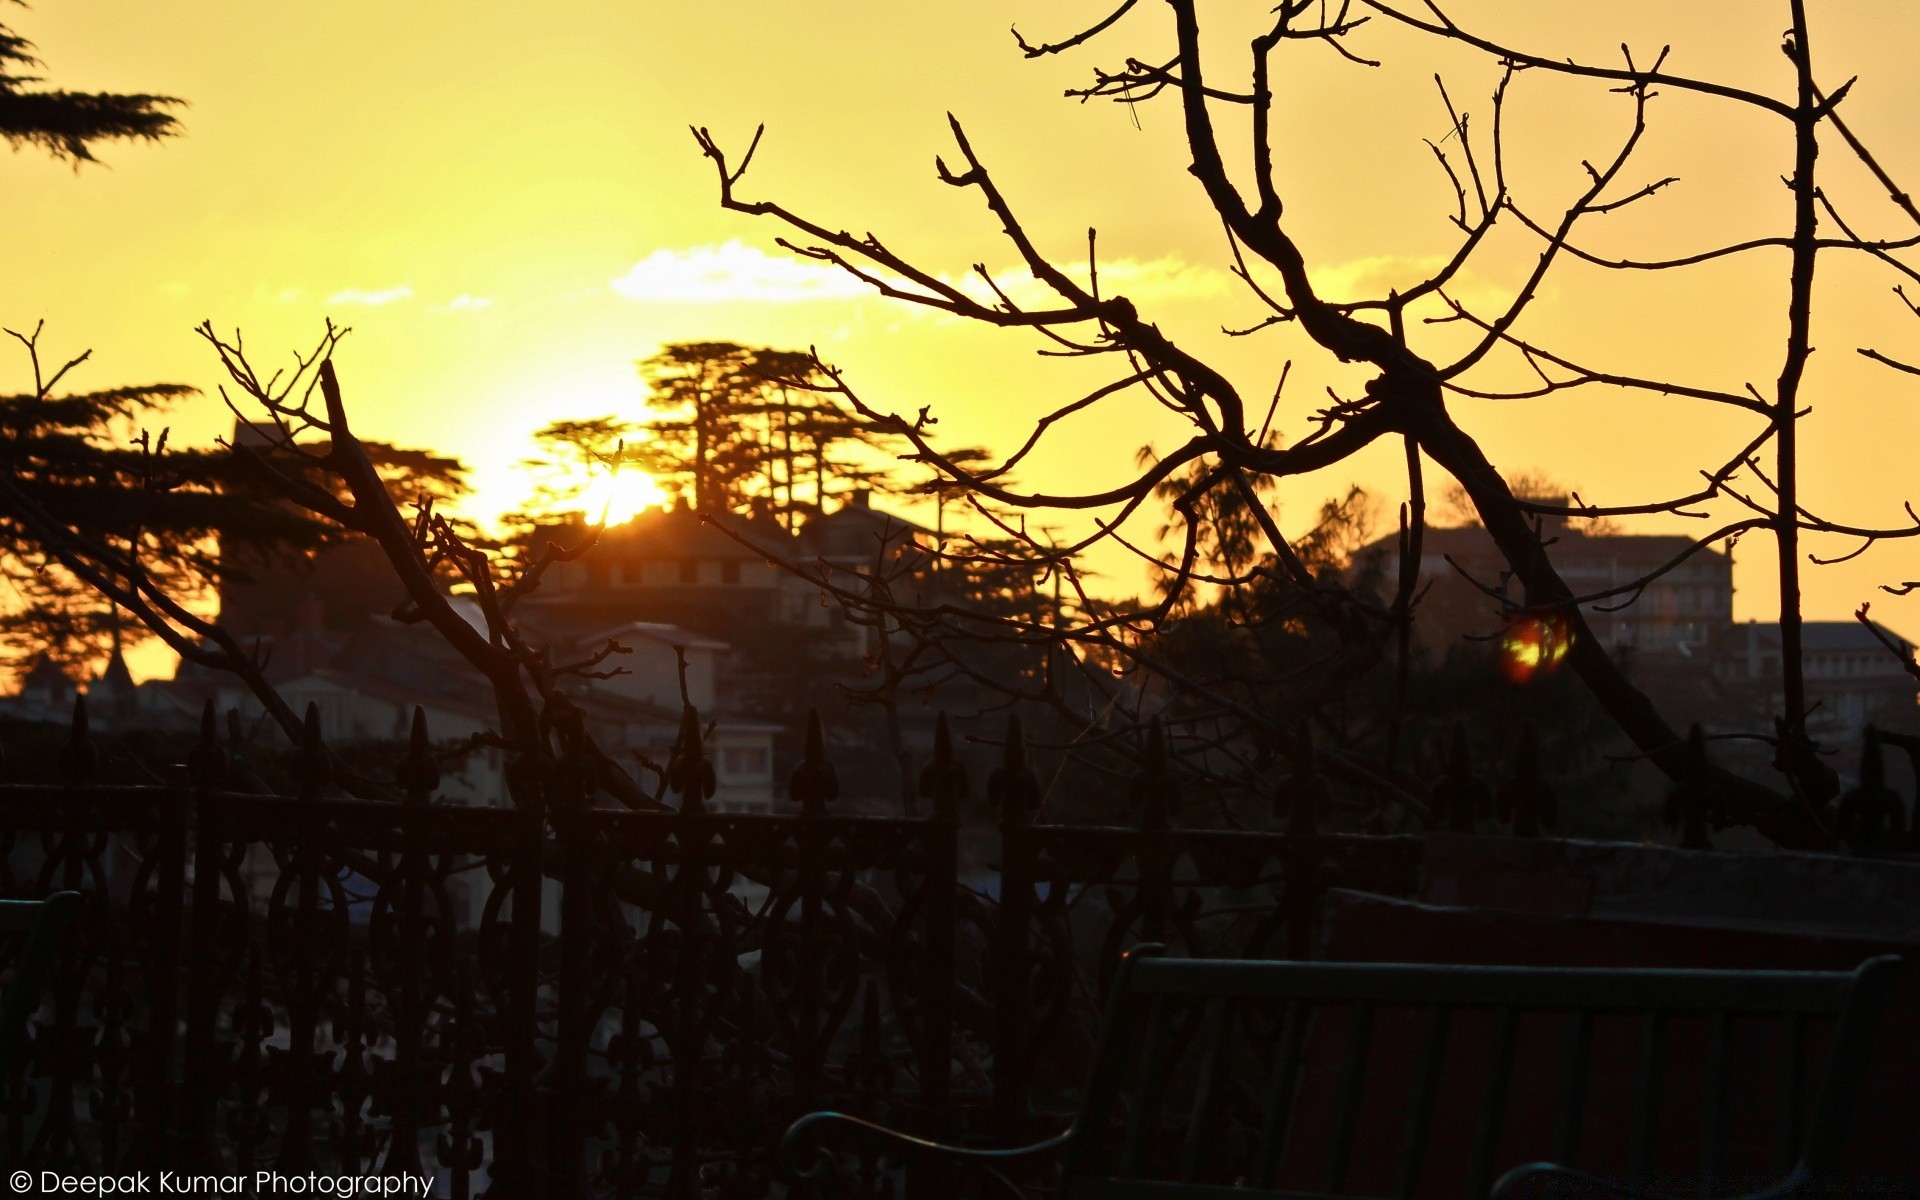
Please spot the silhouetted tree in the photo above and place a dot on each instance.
(742, 427)
(183, 518)
(735, 429)
(67, 124)
(1419, 344)
(703, 393)
(57, 451)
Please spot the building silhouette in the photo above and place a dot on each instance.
(1677, 613)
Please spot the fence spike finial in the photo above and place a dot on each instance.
(1300, 799)
(944, 781)
(1526, 802)
(311, 759)
(1869, 814)
(1152, 784)
(689, 773)
(207, 762)
(1012, 788)
(80, 758)
(419, 774)
(1460, 800)
(814, 783)
(1689, 799)
(1873, 770)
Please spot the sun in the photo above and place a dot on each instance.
(621, 495)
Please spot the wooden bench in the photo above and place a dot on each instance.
(1230, 1080)
(39, 924)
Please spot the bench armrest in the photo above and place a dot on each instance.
(805, 1158)
(1514, 1183)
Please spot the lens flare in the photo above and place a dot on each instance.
(1533, 647)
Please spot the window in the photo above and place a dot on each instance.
(630, 571)
(689, 570)
(745, 761)
(729, 572)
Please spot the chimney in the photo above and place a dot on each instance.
(862, 498)
(245, 433)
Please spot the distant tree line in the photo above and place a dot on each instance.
(734, 429)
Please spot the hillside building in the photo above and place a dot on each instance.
(1679, 612)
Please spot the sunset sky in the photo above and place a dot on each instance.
(505, 204)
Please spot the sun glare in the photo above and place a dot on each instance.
(621, 496)
(1532, 647)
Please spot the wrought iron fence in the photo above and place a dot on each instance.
(588, 1002)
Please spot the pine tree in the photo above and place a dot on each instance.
(74, 459)
(67, 124)
(51, 450)
(188, 517)
(745, 429)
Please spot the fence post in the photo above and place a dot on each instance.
(944, 783)
(1461, 801)
(163, 982)
(418, 776)
(1527, 801)
(1016, 792)
(79, 761)
(522, 1144)
(814, 785)
(206, 773)
(692, 778)
(1301, 884)
(1152, 858)
(567, 795)
(313, 770)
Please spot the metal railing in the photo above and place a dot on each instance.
(590, 1002)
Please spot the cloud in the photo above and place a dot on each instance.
(372, 299)
(1374, 277)
(736, 272)
(732, 272)
(1155, 280)
(462, 303)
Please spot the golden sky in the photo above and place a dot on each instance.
(505, 204)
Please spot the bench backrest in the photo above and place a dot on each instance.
(38, 927)
(1284, 1074)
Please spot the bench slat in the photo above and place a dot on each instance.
(1564, 988)
(1140, 1189)
(1145, 1087)
(1793, 1039)
(1281, 1088)
(1200, 1123)
(1493, 1105)
(1413, 1147)
(1646, 1102)
(1573, 1086)
(1713, 1113)
(1346, 1105)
